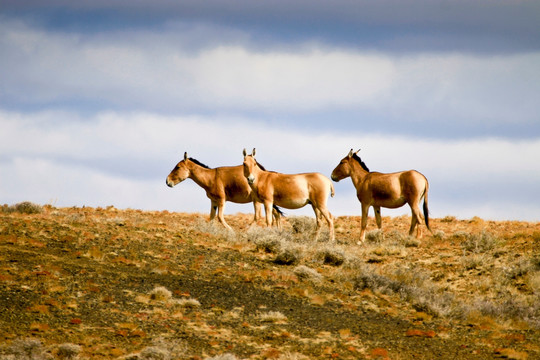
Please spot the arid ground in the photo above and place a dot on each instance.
(103, 283)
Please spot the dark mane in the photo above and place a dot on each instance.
(362, 164)
(199, 163)
(259, 165)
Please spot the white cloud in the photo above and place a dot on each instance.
(484, 177)
(157, 71)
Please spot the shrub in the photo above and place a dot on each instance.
(160, 293)
(266, 239)
(26, 349)
(68, 351)
(302, 224)
(332, 256)
(154, 353)
(273, 317)
(288, 256)
(307, 273)
(161, 349)
(375, 236)
(412, 286)
(24, 207)
(186, 303)
(479, 243)
(223, 357)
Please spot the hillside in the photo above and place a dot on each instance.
(103, 283)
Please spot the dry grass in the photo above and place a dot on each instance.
(482, 275)
(25, 207)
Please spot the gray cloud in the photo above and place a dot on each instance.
(437, 95)
(390, 25)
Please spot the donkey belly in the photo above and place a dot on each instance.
(391, 203)
(289, 202)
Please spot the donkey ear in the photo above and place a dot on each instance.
(185, 155)
(245, 152)
(357, 151)
(253, 152)
(351, 153)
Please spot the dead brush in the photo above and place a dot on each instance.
(507, 307)
(274, 317)
(302, 224)
(306, 273)
(68, 351)
(161, 349)
(289, 255)
(214, 228)
(331, 255)
(25, 207)
(270, 240)
(411, 285)
(25, 349)
(479, 243)
(375, 236)
(160, 293)
(304, 227)
(226, 356)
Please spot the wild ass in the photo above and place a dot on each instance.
(290, 191)
(221, 184)
(385, 190)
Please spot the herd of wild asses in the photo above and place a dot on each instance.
(251, 182)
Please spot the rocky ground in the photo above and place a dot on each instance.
(103, 283)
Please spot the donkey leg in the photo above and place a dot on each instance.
(365, 210)
(378, 216)
(330, 221)
(220, 211)
(318, 222)
(257, 209)
(213, 208)
(277, 217)
(268, 213)
(416, 220)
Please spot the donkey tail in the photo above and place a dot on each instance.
(332, 192)
(278, 210)
(425, 208)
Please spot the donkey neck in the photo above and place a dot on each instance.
(358, 173)
(202, 176)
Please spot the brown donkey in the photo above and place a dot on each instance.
(290, 191)
(221, 184)
(385, 190)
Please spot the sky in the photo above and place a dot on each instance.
(100, 99)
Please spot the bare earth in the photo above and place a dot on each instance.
(160, 285)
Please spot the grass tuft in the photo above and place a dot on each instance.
(160, 293)
(273, 317)
(306, 273)
(68, 351)
(222, 357)
(332, 256)
(302, 224)
(270, 240)
(25, 207)
(26, 349)
(479, 243)
(186, 303)
(288, 255)
(375, 236)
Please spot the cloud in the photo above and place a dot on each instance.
(122, 159)
(150, 71)
(389, 25)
